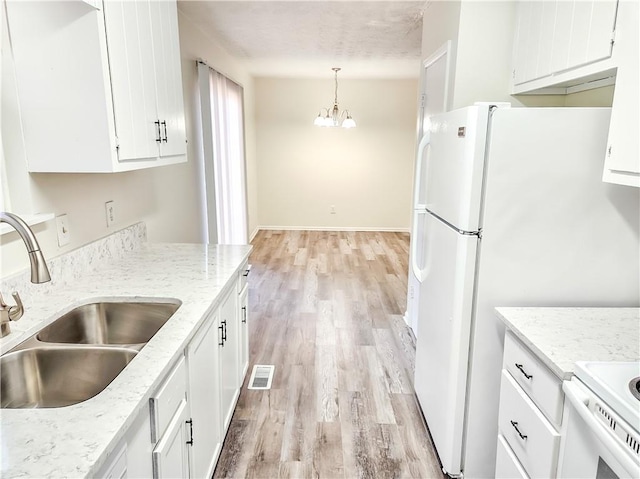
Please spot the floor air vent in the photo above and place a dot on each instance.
(261, 376)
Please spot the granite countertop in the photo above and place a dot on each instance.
(562, 336)
(74, 441)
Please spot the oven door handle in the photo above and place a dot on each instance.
(580, 402)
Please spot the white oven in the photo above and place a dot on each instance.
(601, 425)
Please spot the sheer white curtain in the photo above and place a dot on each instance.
(221, 102)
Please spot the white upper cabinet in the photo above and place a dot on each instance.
(554, 37)
(166, 53)
(99, 89)
(622, 163)
(563, 47)
(132, 72)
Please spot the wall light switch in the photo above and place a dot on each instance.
(62, 226)
(110, 210)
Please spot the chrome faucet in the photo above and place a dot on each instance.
(39, 270)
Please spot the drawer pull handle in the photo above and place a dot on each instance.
(246, 272)
(244, 314)
(519, 366)
(515, 426)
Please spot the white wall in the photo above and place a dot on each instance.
(166, 198)
(366, 172)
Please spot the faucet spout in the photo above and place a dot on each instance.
(39, 270)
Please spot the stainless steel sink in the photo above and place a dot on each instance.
(109, 323)
(55, 377)
(76, 356)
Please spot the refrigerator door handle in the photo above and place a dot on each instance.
(419, 272)
(422, 147)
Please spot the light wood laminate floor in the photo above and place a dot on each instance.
(326, 308)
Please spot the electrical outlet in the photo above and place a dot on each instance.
(62, 226)
(110, 210)
(332, 209)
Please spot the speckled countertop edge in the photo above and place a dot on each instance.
(75, 441)
(562, 336)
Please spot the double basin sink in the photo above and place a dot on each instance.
(78, 355)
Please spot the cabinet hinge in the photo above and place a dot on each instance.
(117, 144)
(613, 37)
(422, 98)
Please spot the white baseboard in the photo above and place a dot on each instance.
(253, 235)
(332, 228)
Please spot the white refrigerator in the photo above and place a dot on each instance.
(509, 210)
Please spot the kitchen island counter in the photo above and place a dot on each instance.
(74, 441)
(562, 336)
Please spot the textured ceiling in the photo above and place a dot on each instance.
(293, 38)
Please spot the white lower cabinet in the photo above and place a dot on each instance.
(530, 415)
(243, 320)
(229, 342)
(169, 413)
(204, 398)
(243, 303)
(170, 456)
(139, 447)
(181, 431)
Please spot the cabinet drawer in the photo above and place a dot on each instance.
(167, 399)
(532, 438)
(243, 276)
(544, 387)
(507, 464)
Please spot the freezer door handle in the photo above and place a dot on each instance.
(418, 209)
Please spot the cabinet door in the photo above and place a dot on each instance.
(128, 30)
(170, 457)
(229, 357)
(243, 310)
(166, 54)
(622, 163)
(204, 399)
(559, 35)
(592, 28)
(139, 447)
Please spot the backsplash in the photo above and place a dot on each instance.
(72, 265)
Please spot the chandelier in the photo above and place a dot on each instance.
(333, 116)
